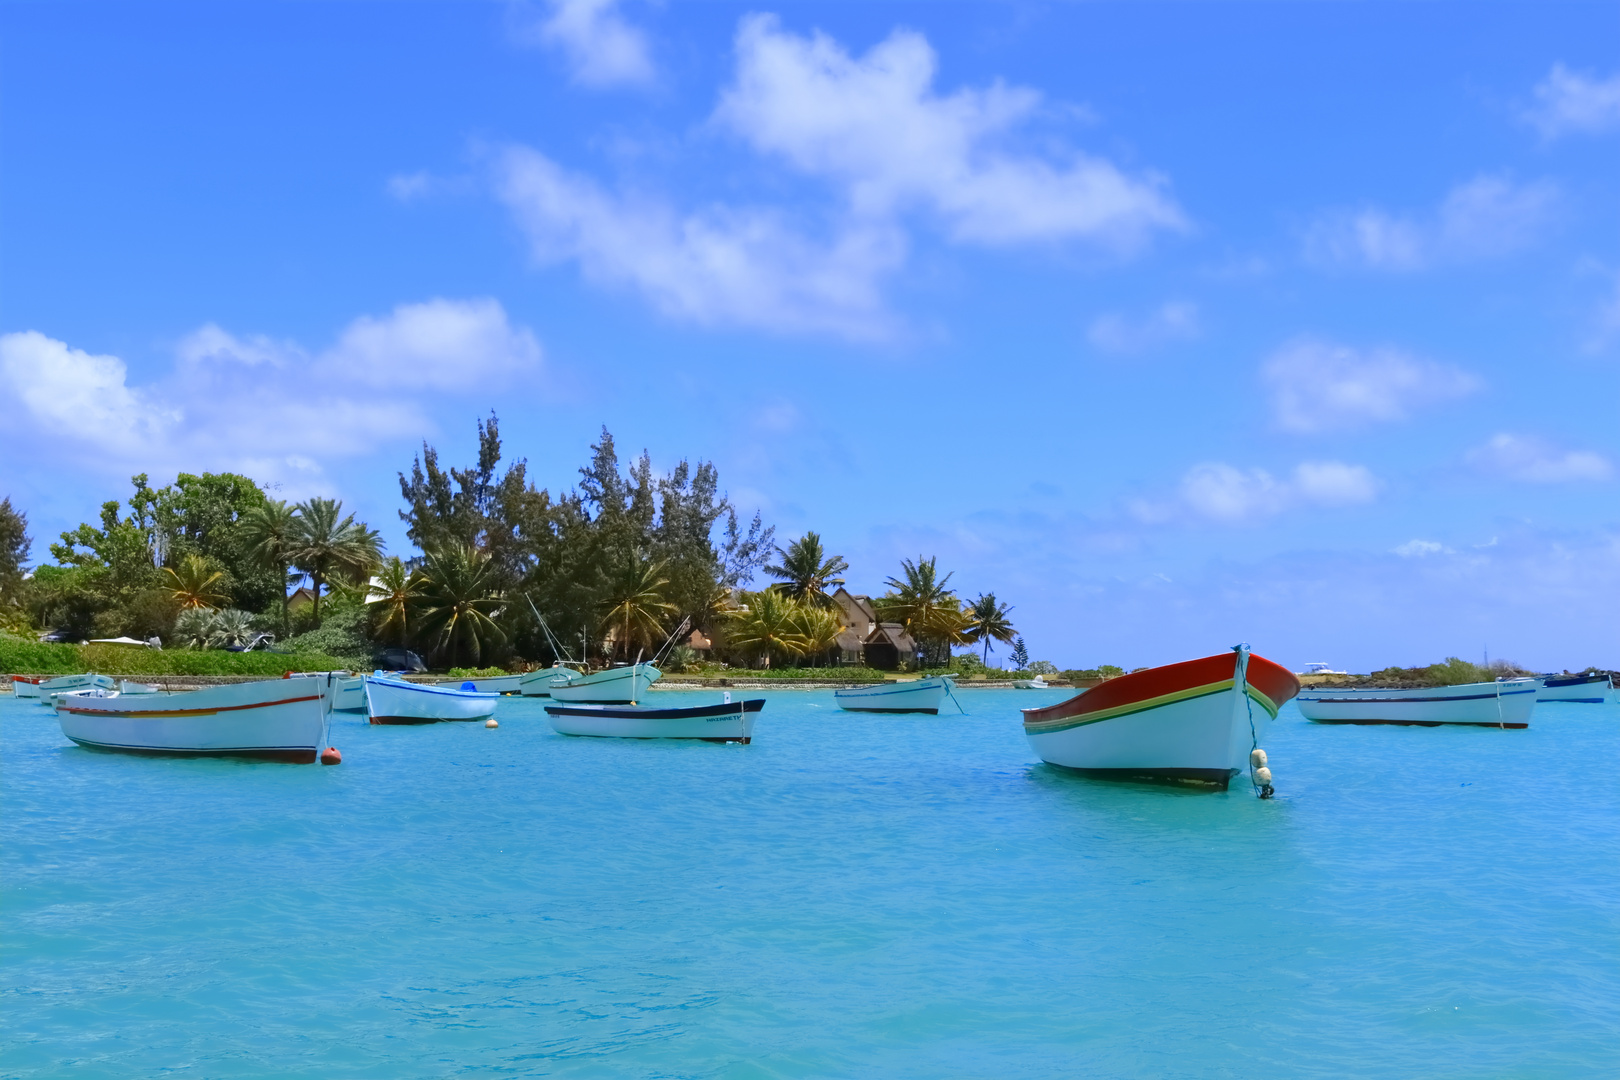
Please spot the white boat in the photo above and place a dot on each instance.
(281, 719)
(915, 696)
(349, 693)
(729, 721)
(1320, 669)
(1505, 703)
(1197, 720)
(25, 687)
(1595, 689)
(127, 687)
(538, 683)
(395, 701)
(1037, 683)
(494, 684)
(68, 684)
(611, 686)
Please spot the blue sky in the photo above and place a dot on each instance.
(1173, 324)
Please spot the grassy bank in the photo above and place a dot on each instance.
(20, 656)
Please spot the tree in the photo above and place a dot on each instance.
(197, 583)
(230, 627)
(818, 628)
(1020, 655)
(193, 628)
(987, 621)
(459, 599)
(15, 543)
(806, 570)
(325, 545)
(269, 532)
(769, 624)
(922, 602)
(631, 605)
(393, 594)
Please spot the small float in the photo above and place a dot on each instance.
(1590, 689)
(1506, 703)
(1199, 720)
(731, 721)
(278, 719)
(915, 696)
(394, 701)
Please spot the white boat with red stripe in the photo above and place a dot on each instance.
(278, 719)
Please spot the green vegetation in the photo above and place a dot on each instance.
(806, 570)
(1450, 672)
(31, 657)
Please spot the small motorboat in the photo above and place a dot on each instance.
(391, 700)
(624, 685)
(1506, 703)
(915, 696)
(1198, 720)
(279, 719)
(730, 721)
(538, 683)
(26, 687)
(1037, 683)
(1321, 669)
(1592, 689)
(494, 684)
(67, 684)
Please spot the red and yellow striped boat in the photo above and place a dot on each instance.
(1197, 720)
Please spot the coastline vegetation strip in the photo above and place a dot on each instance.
(18, 656)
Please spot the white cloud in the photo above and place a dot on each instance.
(602, 49)
(251, 403)
(1535, 461)
(1568, 102)
(1417, 549)
(1484, 218)
(1321, 386)
(1218, 492)
(724, 265)
(1170, 322)
(875, 125)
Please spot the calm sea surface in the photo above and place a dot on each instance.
(848, 897)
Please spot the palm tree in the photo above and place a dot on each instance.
(818, 628)
(806, 570)
(393, 594)
(921, 602)
(325, 546)
(193, 627)
(630, 601)
(269, 531)
(988, 620)
(459, 597)
(196, 584)
(770, 623)
(230, 627)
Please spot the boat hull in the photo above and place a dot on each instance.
(349, 694)
(1585, 690)
(917, 696)
(281, 720)
(1505, 704)
(496, 684)
(389, 701)
(538, 683)
(730, 722)
(25, 687)
(614, 686)
(1193, 721)
(52, 689)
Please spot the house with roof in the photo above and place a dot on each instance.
(866, 640)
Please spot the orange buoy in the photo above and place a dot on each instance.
(330, 756)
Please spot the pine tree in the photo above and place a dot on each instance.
(1020, 655)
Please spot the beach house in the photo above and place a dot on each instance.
(866, 640)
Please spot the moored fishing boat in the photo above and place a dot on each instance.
(1037, 683)
(915, 696)
(611, 686)
(1505, 703)
(1198, 720)
(395, 701)
(538, 683)
(25, 686)
(494, 684)
(51, 689)
(279, 719)
(1593, 689)
(349, 693)
(731, 721)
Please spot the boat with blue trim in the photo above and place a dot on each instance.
(1505, 703)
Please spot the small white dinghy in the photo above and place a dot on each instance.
(1037, 683)
(916, 696)
(395, 701)
(1506, 704)
(1593, 689)
(538, 683)
(68, 684)
(612, 686)
(279, 719)
(729, 721)
(25, 687)
(349, 693)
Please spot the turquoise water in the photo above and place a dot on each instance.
(849, 896)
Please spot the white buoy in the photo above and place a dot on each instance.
(491, 722)
(1262, 776)
(1257, 758)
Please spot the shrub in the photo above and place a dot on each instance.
(20, 656)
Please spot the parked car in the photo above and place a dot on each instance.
(402, 660)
